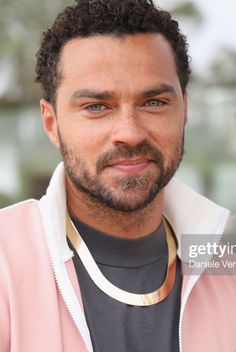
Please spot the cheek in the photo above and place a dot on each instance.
(87, 146)
(168, 135)
(170, 141)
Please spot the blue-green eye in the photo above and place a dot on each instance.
(95, 107)
(154, 103)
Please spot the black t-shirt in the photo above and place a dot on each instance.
(138, 266)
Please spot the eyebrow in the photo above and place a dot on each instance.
(163, 88)
(106, 95)
(87, 93)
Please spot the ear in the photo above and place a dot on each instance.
(185, 107)
(49, 121)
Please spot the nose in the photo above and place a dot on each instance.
(128, 128)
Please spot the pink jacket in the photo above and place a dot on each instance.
(40, 303)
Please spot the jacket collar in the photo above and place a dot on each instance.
(187, 211)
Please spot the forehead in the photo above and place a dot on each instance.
(132, 58)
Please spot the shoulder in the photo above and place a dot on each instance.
(18, 206)
(18, 218)
(15, 211)
(22, 240)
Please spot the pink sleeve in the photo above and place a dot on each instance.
(4, 305)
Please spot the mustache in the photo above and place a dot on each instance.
(144, 149)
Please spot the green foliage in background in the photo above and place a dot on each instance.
(188, 10)
(223, 69)
(21, 25)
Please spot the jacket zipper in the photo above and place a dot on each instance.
(195, 279)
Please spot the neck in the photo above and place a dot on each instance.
(128, 225)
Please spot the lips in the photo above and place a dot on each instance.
(130, 165)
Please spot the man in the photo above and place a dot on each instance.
(92, 266)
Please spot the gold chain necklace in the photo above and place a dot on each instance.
(113, 291)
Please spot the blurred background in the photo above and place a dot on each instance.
(26, 157)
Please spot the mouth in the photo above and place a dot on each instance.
(130, 166)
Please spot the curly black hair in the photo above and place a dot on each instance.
(106, 17)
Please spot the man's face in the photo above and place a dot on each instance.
(120, 116)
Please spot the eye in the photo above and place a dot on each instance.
(154, 103)
(95, 107)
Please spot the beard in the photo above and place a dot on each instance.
(121, 193)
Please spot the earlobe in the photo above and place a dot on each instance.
(49, 121)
